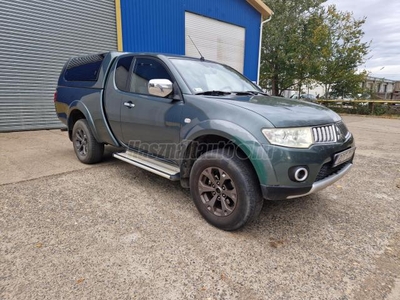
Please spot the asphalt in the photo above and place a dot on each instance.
(113, 231)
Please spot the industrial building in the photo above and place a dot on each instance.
(37, 37)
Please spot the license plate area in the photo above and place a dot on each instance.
(343, 156)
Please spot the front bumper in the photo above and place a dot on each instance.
(286, 192)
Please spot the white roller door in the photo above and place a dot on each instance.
(36, 39)
(216, 40)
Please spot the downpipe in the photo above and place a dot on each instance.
(260, 46)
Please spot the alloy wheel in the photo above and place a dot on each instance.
(217, 191)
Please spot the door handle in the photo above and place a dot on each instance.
(129, 104)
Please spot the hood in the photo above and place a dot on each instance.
(283, 112)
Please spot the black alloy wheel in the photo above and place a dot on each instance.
(86, 147)
(225, 189)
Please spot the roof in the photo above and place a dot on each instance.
(260, 6)
(382, 79)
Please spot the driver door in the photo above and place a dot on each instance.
(150, 123)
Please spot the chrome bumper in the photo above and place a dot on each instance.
(320, 185)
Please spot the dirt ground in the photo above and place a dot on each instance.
(113, 231)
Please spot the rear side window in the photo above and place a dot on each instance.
(122, 73)
(84, 68)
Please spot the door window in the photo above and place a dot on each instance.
(122, 73)
(144, 70)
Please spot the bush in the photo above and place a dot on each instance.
(362, 109)
(370, 108)
(380, 109)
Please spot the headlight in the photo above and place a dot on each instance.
(289, 137)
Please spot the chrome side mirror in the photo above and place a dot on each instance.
(160, 87)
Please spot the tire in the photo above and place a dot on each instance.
(225, 189)
(87, 149)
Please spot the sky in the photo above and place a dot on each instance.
(382, 28)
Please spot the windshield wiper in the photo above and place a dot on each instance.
(239, 93)
(242, 93)
(214, 93)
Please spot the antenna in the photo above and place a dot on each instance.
(201, 55)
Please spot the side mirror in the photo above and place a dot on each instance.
(160, 87)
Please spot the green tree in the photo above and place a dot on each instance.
(287, 50)
(341, 50)
(350, 84)
(306, 42)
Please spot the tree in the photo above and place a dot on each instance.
(339, 39)
(350, 84)
(306, 42)
(286, 45)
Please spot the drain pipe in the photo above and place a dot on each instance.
(259, 49)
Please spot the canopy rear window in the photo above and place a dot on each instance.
(84, 68)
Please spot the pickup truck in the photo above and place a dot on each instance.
(203, 124)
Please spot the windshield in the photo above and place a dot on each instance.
(202, 76)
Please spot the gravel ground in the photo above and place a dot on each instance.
(113, 231)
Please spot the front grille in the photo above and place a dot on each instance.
(327, 170)
(325, 134)
(342, 129)
(330, 133)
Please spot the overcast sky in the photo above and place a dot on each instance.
(383, 29)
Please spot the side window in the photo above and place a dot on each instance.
(122, 73)
(144, 70)
(84, 68)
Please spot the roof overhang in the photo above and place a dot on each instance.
(260, 6)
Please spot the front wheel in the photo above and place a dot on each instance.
(87, 149)
(225, 189)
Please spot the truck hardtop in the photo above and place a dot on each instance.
(204, 124)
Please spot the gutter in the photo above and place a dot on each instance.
(259, 49)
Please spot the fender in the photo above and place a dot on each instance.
(240, 137)
(96, 120)
(79, 105)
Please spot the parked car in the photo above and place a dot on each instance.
(306, 97)
(205, 125)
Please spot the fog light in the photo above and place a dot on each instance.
(298, 174)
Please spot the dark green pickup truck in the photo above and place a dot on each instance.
(204, 124)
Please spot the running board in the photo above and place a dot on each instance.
(148, 163)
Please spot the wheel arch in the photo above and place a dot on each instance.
(216, 132)
(77, 111)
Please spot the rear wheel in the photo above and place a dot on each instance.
(225, 189)
(87, 149)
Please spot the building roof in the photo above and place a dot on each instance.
(263, 9)
(382, 79)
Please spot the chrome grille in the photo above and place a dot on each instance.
(325, 134)
(342, 130)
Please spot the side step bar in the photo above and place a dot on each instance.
(148, 163)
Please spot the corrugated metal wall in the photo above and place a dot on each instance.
(220, 41)
(159, 26)
(36, 39)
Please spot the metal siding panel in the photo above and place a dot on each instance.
(159, 26)
(152, 26)
(37, 38)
